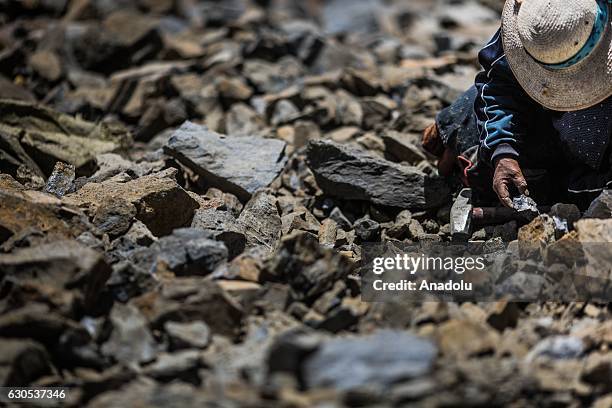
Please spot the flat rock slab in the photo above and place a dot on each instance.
(378, 360)
(352, 174)
(238, 165)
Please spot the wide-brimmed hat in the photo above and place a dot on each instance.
(560, 51)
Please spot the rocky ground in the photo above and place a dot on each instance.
(186, 186)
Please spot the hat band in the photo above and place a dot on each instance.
(598, 29)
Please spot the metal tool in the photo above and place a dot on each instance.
(464, 216)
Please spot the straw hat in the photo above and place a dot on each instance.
(560, 51)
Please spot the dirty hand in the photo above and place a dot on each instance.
(508, 173)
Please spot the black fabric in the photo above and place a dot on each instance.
(457, 123)
(585, 134)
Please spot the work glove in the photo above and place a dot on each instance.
(507, 175)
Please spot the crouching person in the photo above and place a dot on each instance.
(538, 119)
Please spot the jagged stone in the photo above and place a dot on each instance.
(352, 174)
(378, 360)
(61, 180)
(261, 222)
(58, 266)
(130, 340)
(241, 166)
(309, 268)
(149, 194)
(187, 251)
(601, 207)
(223, 226)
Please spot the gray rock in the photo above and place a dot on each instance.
(403, 147)
(352, 174)
(130, 340)
(569, 213)
(601, 207)
(309, 268)
(188, 335)
(61, 180)
(521, 286)
(223, 226)
(284, 112)
(367, 229)
(343, 222)
(261, 222)
(181, 365)
(557, 347)
(187, 251)
(526, 207)
(379, 360)
(114, 217)
(241, 166)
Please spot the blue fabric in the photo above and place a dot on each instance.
(509, 121)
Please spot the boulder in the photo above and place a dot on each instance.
(350, 173)
(161, 204)
(238, 165)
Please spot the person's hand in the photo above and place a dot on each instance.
(508, 173)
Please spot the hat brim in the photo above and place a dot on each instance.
(583, 85)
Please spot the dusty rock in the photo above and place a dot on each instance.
(239, 166)
(601, 207)
(130, 340)
(403, 147)
(261, 222)
(367, 229)
(149, 194)
(22, 362)
(58, 266)
(352, 174)
(378, 360)
(46, 64)
(24, 211)
(52, 137)
(180, 364)
(534, 237)
(114, 217)
(223, 226)
(190, 299)
(187, 335)
(466, 338)
(187, 251)
(60, 181)
(557, 347)
(343, 222)
(328, 233)
(309, 268)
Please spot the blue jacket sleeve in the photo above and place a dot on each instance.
(503, 109)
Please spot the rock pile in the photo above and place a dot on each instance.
(186, 188)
